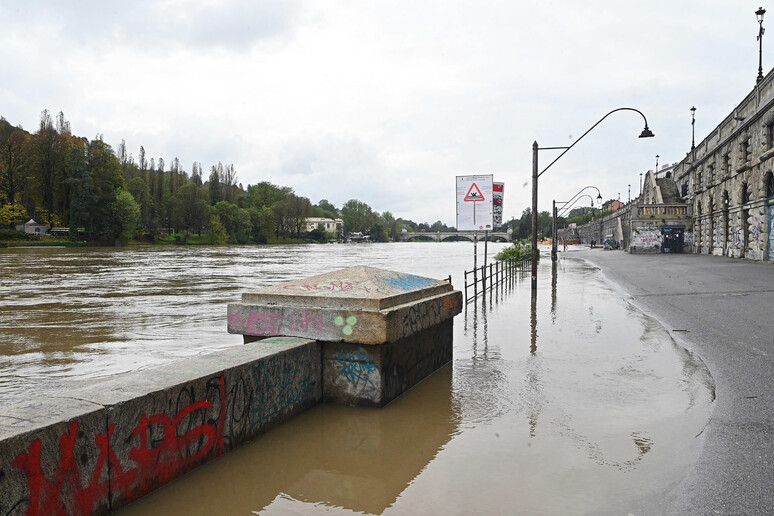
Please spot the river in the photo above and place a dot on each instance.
(576, 403)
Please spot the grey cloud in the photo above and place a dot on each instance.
(157, 24)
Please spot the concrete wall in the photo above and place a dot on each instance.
(100, 447)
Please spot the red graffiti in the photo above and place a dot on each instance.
(63, 493)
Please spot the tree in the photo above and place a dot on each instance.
(47, 162)
(82, 201)
(235, 220)
(328, 210)
(358, 216)
(214, 186)
(377, 233)
(106, 177)
(263, 223)
(217, 233)
(190, 212)
(298, 210)
(141, 193)
(11, 214)
(391, 227)
(264, 194)
(14, 154)
(126, 216)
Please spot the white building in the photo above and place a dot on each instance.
(327, 225)
(33, 227)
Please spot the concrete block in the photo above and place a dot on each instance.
(360, 305)
(359, 375)
(54, 458)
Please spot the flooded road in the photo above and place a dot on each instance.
(570, 402)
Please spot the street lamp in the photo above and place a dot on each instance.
(553, 214)
(566, 206)
(646, 133)
(693, 121)
(759, 14)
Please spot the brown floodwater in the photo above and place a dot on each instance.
(571, 401)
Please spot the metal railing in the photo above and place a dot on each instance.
(488, 277)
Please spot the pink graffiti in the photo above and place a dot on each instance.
(272, 323)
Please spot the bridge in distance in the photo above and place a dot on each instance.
(441, 236)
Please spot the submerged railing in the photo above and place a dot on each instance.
(485, 278)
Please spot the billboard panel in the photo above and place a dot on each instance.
(474, 203)
(498, 191)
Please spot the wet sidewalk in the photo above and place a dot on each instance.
(721, 309)
(574, 403)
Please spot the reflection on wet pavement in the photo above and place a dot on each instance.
(567, 400)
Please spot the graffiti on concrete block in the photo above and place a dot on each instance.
(426, 314)
(157, 460)
(355, 365)
(254, 322)
(280, 386)
(409, 282)
(347, 324)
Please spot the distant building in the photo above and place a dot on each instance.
(33, 228)
(327, 225)
(613, 205)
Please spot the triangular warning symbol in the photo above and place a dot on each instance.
(474, 194)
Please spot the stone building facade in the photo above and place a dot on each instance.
(727, 179)
(718, 200)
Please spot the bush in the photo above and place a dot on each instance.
(517, 252)
(12, 234)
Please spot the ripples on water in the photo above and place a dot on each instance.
(574, 404)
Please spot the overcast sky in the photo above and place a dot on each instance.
(387, 101)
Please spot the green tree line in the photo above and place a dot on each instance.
(63, 180)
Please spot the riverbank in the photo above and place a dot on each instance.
(720, 308)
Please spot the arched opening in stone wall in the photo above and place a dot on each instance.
(710, 226)
(768, 182)
(697, 230)
(724, 242)
(745, 201)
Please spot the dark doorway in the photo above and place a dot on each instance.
(672, 240)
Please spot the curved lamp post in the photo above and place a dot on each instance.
(564, 209)
(646, 133)
(564, 204)
(759, 14)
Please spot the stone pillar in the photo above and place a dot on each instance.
(381, 332)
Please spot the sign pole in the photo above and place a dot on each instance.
(475, 261)
(486, 241)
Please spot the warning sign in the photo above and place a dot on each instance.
(474, 194)
(474, 203)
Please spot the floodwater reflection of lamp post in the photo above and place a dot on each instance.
(646, 133)
(564, 204)
(693, 121)
(759, 14)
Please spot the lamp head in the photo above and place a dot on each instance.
(647, 133)
(693, 110)
(759, 13)
(599, 198)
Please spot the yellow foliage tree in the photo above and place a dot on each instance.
(11, 214)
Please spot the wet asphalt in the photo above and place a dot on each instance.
(722, 310)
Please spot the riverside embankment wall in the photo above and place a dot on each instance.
(97, 448)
